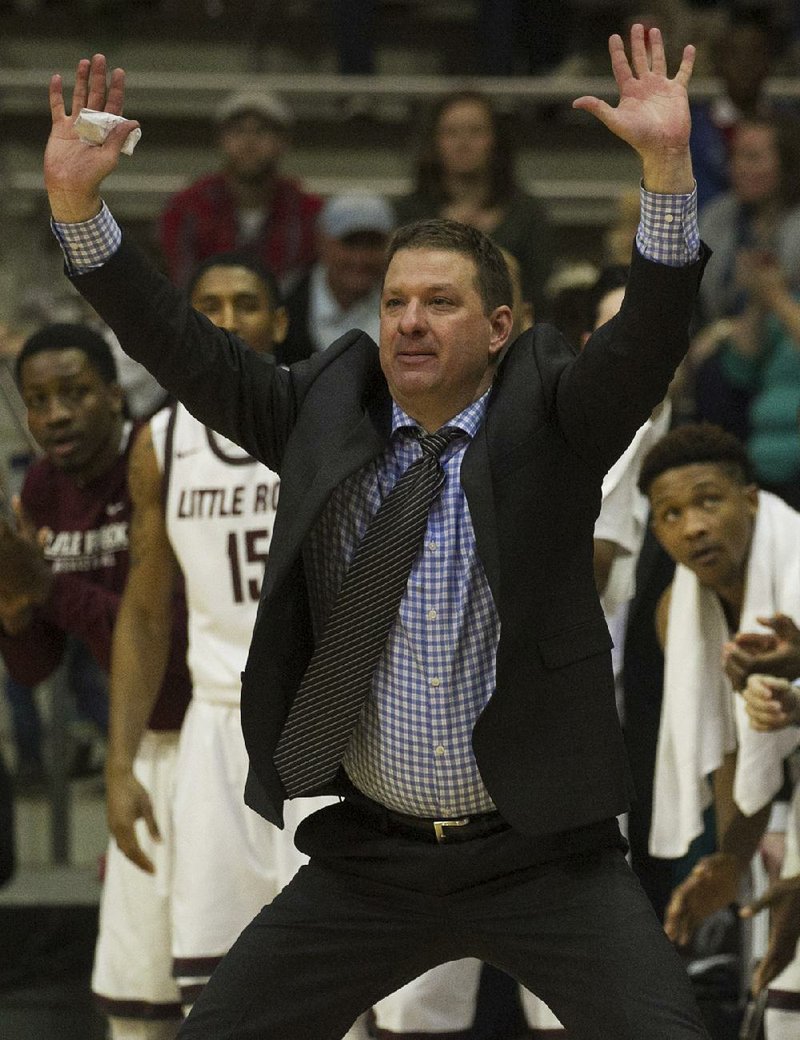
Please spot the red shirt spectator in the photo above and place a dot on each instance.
(247, 206)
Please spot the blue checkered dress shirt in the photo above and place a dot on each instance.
(411, 748)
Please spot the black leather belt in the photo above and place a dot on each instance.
(460, 828)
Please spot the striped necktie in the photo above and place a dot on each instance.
(339, 675)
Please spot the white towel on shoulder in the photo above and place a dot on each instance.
(624, 511)
(702, 719)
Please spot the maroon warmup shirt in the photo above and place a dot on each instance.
(87, 546)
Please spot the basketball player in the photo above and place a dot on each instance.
(75, 499)
(205, 506)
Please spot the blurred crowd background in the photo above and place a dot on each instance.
(303, 131)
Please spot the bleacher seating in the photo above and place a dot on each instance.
(352, 132)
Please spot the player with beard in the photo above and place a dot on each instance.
(247, 204)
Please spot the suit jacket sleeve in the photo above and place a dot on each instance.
(610, 389)
(224, 384)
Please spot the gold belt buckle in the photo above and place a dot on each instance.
(440, 826)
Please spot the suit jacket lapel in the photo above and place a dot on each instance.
(346, 450)
(358, 445)
(360, 442)
(476, 479)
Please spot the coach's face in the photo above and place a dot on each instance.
(438, 346)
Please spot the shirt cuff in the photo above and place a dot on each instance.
(90, 243)
(668, 232)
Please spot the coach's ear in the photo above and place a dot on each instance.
(502, 321)
(280, 326)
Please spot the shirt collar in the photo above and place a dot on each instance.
(468, 421)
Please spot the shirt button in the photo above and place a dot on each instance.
(436, 681)
(439, 750)
(431, 615)
(668, 218)
(433, 546)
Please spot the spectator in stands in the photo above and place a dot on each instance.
(247, 205)
(514, 36)
(761, 210)
(742, 57)
(355, 22)
(758, 218)
(467, 173)
(568, 301)
(342, 290)
(751, 385)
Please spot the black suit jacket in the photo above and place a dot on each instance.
(548, 744)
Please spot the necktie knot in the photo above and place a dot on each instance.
(435, 443)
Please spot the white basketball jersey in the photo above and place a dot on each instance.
(220, 509)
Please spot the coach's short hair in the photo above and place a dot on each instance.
(696, 443)
(64, 336)
(493, 279)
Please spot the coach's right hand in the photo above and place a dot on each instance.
(73, 169)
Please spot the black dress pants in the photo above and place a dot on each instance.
(371, 911)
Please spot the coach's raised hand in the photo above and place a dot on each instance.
(73, 169)
(652, 115)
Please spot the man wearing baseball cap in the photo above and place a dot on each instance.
(342, 290)
(246, 206)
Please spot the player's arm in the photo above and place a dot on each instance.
(38, 607)
(34, 625)
(738, 836)
(662, 616)
(782, 899)
(140, 649)
(714, 882)
(605, 552)
(30, 645)
(243, 395)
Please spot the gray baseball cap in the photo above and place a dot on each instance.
(345, 215)
(260, 103)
